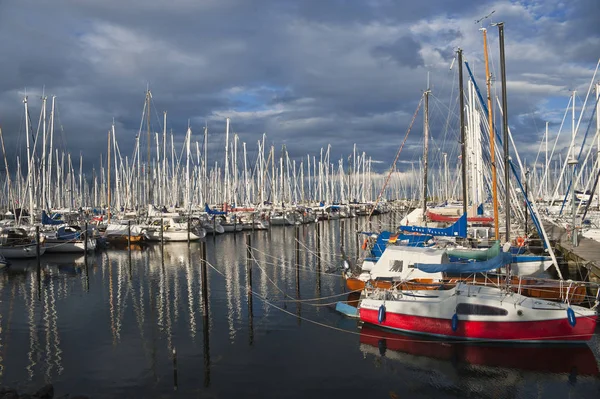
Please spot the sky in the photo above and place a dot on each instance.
(308, 73)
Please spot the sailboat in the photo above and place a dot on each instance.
(477, 312)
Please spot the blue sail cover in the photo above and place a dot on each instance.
(48, 220)
(502, 259)
(458, 229)
(213, 211)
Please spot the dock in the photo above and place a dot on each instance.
(585, 256)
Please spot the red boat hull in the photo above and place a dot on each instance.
(434, 217)
(541, 358)
(557, 330)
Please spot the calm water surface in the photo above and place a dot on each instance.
(110, 329)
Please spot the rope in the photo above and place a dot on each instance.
(393, 167)
(399, 338)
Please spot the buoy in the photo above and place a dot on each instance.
(364, 244)
(520, 241)
(454, 322)
(381, 315)
(571, 317)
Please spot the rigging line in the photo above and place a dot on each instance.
(284, 261)
(393, 166)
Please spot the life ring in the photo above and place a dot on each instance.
(520, 241)
(364, 244)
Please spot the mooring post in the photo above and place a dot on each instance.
(85, 242)
(37, 245)
(297, 236)
(175, 369)
(129, 235)
(188, 229)
(214, 227)
(204, 278)
(342, 232)
(162, 229)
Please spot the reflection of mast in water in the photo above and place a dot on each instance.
(121, 297)
(263, 281)
(238, 266)
(33, 354)
(53, 351)
(189, 278)
(205, 313)
(228, 264)
(111, 300)
(2, 332)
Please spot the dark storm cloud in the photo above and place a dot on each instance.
(404, 51)
(308, 73)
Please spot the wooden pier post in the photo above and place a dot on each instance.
(342, 232)
(188, 230)
(129, 236)
(85, 242)
(39, 266)
(205, 310)
(297, 245)
(249, 292)
(37, 245)
(175, 369)
(162, 229)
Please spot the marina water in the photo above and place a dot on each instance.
(131, 322)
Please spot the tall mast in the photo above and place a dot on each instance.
(29, 163)
(164, 161)
(148, 190)
(44, 101)
(463, 144)
(505, 130)
(492, 136)
(108, 174)
(205, 185)
(598, 131)
(49, 183)
(547, 167)
(425, 149)
(226, 196)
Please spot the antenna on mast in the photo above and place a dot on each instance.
(480, 20)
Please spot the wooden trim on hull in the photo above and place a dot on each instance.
(549, 290)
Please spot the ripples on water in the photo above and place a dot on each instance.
(110, 329)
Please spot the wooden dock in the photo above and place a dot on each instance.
(584, 256)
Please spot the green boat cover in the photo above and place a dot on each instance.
(476, 254)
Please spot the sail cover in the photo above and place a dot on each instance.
(502, 259)
(458, 229)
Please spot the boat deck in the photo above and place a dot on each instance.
(586, 254)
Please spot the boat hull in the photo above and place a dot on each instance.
(558, 330)
(66, 246)
(470, 312)
(21, 252)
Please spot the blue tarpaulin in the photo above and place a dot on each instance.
(502, 259)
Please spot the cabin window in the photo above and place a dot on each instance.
(396, 265)
(479, 310)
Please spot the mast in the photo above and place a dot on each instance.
(463, 144)
(43, 161)
(492, 136)
(226, 196)
(548, 166)
(425, 148)
(148, 189)
(49, 185)
(108, 184)
(29, 164)
(505, 130)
